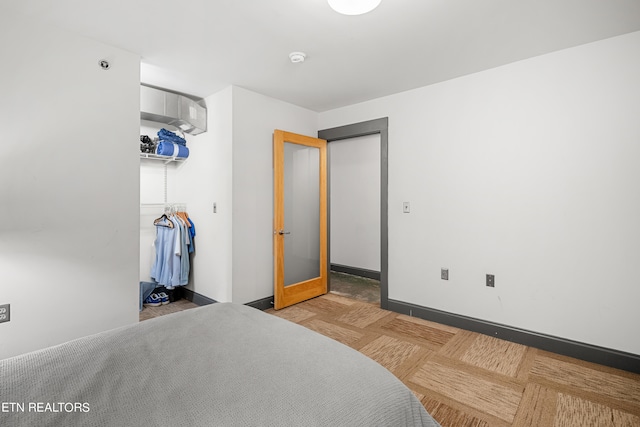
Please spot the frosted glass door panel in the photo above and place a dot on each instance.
(301, 213)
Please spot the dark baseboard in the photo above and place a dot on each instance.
(196, 298)
(590, 353)
(262, 304)
(587, 352)
(362, 272)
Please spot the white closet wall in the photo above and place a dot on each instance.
(205, 179)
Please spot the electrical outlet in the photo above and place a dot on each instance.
(491, 280)
(444, 273)
(5, 313)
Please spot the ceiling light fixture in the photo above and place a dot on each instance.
(353, 7)
(296, 57)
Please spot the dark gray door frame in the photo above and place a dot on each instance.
(371, 127)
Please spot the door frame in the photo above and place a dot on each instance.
(370, 127)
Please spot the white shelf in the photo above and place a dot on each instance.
(158, 157)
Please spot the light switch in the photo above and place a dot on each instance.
(405, 207)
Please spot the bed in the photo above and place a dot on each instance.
(219, 365)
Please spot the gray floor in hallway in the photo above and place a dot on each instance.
(356, 287)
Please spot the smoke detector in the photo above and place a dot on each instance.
(353, 7)
(296, 57)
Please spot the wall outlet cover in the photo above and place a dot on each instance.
(491, 280)
(5, 313)
(444, 274)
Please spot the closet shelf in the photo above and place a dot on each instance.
(165, 159)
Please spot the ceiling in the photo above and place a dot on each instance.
(201, 46)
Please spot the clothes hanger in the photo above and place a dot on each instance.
(163, 221)
(184, 217)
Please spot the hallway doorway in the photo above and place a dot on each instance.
(377, 127)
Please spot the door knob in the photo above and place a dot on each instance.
(281, 232)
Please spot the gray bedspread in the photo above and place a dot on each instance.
(218, 365)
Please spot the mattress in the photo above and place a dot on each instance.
(218, 365)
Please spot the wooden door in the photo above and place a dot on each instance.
(299, 218)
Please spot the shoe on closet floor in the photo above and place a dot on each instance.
(153, 300)
(164, 298)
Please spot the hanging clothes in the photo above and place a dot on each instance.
(192, 234)
(183, 250)
(174, 242)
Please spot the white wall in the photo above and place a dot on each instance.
(255, 117)
(530, 172)
(355, 202)
(70, 186)
(204, 179)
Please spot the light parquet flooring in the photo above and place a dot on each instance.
(465, 379)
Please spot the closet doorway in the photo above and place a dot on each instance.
(358, 201)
